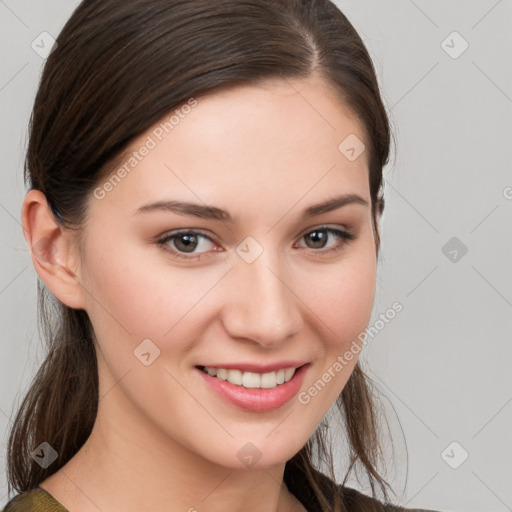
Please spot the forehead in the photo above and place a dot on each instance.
(253, 146)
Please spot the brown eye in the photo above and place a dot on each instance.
(186, 242)
(183, 244)
(319, 237)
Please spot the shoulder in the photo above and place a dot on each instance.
(35, 500)
(358, 501)
(355, 501)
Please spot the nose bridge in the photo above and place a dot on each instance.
(264, 308)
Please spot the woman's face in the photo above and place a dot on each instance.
(257, 284)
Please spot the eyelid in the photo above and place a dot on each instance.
(319, 227)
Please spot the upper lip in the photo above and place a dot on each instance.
(257, 368)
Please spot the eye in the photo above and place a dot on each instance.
(185, 242)
(318, 238)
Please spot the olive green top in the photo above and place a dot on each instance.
(39, 500)
(35, 500)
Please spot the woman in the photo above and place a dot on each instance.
(205, 188)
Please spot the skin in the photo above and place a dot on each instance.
(162, 439)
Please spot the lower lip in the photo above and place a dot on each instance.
(257, 399)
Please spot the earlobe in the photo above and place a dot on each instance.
(53, 255)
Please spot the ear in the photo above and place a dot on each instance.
(54, 256)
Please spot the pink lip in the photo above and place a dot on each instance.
(258, 368)
(256, 399)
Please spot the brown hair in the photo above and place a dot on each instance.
(119, 66)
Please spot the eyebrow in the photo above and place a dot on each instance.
(215, 213)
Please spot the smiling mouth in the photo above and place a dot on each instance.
(251, 380)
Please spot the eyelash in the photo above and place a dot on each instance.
(345, 237)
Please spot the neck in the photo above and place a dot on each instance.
(129, 464)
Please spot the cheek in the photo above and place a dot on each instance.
(343, 306)
(343, 299)
(130, 297)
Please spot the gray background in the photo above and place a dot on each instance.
(444, 362)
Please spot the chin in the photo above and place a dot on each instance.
(259, 451)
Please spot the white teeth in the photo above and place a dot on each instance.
(251, 379)
(235, 377)
(288, 374)
(268, 380)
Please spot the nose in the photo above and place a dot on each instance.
(262, 305)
